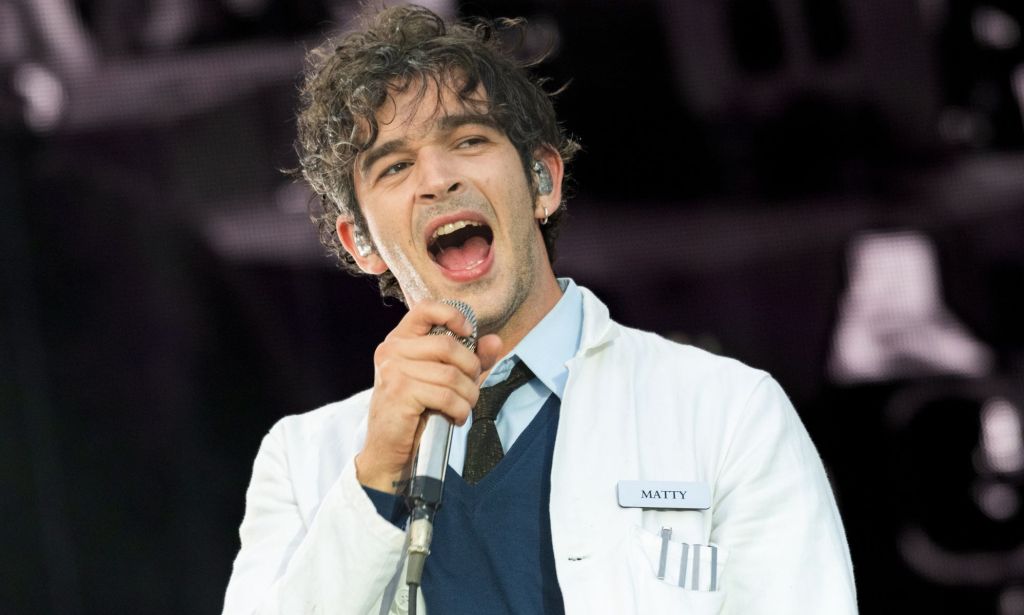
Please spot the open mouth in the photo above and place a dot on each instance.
(460, 245)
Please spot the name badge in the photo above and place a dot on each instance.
(664, 494)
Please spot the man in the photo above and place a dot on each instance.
(440, 166)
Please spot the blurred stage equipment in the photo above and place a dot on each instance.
(753, 58)
(42, 44)
(892, 321)
(959, 474)
(71, 78)
(982, 54)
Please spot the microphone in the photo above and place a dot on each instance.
(429, 465)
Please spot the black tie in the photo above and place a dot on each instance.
(483, 446)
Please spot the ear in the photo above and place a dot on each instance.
(372, 263)
(550, 158)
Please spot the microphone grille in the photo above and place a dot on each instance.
(468, 342)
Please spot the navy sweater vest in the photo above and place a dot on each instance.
(491, 551)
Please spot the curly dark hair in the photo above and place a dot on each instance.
(348, 78)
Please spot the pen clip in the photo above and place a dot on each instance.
(666, 534)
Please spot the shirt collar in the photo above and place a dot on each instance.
(550, 344)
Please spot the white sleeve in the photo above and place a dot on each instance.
(341, 562)
(775, 510)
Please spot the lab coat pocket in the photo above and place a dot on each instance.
(676, 576)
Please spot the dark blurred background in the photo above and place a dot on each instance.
(832, 190)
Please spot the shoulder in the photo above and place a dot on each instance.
(681, 364)
(680, 396)
(309, 451)
(681, 389)
(327, 435)
(345, 413)
(616, 348)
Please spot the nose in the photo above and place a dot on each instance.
(438, 178)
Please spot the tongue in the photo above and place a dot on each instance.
(468, 255)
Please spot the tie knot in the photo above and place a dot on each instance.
(492, 398)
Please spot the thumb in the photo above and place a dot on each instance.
(488, 348)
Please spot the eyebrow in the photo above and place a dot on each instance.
(446, 124)
(376, 153)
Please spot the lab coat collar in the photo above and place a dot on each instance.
(598, 328)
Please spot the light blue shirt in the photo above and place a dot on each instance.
(545, 350)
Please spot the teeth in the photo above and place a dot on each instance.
(451, 227)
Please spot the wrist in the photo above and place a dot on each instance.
(372, 475)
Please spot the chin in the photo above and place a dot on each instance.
(495, 313)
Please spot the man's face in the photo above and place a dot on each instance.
(450, 210)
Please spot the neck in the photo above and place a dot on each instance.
(545, 297)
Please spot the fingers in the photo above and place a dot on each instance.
(437, 348)
(422, 384)
(416, 371)
(426, 314)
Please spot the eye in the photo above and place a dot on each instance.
(469, 142)
(395, 169)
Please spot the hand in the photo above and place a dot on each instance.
(414, 371)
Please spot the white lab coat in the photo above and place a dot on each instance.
(636, 407)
